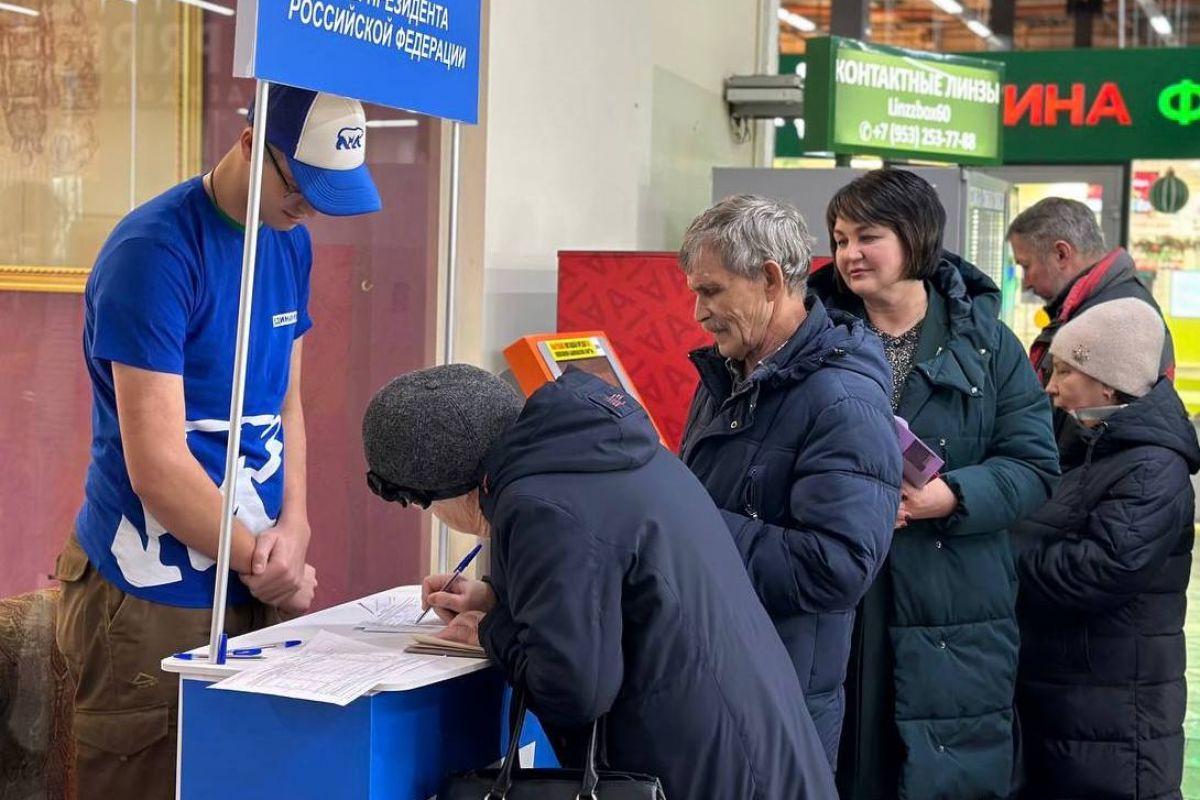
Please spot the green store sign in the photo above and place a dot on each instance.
(1080, 106)
(862, 98)
(1076, 106)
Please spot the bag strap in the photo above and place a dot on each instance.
(591, 778)
(512, 759)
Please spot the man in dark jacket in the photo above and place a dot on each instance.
(614, 591)
(1060, 249)
(1103, 570)
(791, 431)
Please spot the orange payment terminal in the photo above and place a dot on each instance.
(536, 359)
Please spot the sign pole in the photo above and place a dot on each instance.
(443, 555)
(216, 652)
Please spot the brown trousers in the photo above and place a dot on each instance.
(126, 707)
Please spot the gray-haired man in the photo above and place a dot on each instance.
(1060, 248)
(791, 431)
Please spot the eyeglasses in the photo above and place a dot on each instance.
(287, 185)
(392, 493)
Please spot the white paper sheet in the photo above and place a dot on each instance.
(327, 669)
(398, 614)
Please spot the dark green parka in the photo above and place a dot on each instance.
(929, 696)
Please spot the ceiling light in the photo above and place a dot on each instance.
(1160, 22)
(949, 6)
(1161, 25)
(213, 7)
(29, 12)
(979, 29)
(392, 123)
(802, 24)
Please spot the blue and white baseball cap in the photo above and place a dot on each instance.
(325, 140)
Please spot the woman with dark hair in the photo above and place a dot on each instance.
(929, 706)
(1104, 569)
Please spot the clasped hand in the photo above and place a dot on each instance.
(279, 575)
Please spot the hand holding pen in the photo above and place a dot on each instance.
(448, 596)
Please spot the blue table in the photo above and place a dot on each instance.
(396, 743)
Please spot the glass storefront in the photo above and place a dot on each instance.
(1164, 238)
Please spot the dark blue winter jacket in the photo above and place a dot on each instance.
(804, 462)
(619, 593)
(1104, 569)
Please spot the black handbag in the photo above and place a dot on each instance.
(513, 782)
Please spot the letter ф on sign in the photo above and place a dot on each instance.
(1180, 102)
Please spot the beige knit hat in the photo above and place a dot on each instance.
(1119, 343)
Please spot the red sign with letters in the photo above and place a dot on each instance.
(1049, 104)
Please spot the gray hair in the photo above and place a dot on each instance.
(1060, 219)
(747, 230)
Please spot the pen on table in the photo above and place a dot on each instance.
(257, 649)
(204, 656)
(242, 652)
(466, 562)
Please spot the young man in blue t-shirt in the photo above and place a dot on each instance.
(139, 571)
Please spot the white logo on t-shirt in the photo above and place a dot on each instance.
(279, 320)
(141, 564)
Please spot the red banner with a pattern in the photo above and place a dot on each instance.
(641, 301)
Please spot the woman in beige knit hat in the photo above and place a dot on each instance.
(1106, 359)
(1103, 569)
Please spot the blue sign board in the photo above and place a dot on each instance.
(418, 55)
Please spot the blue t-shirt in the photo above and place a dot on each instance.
(163, 296)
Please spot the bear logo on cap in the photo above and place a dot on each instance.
(349, 139)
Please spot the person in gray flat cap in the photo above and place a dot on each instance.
(1104, 566)
(614, 589)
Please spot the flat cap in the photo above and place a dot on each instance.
(429, 430)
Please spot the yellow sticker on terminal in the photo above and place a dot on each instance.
(573, 349)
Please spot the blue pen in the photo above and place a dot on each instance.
(242, 652)
(257, 649)
(204, 656)
(466, 562)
